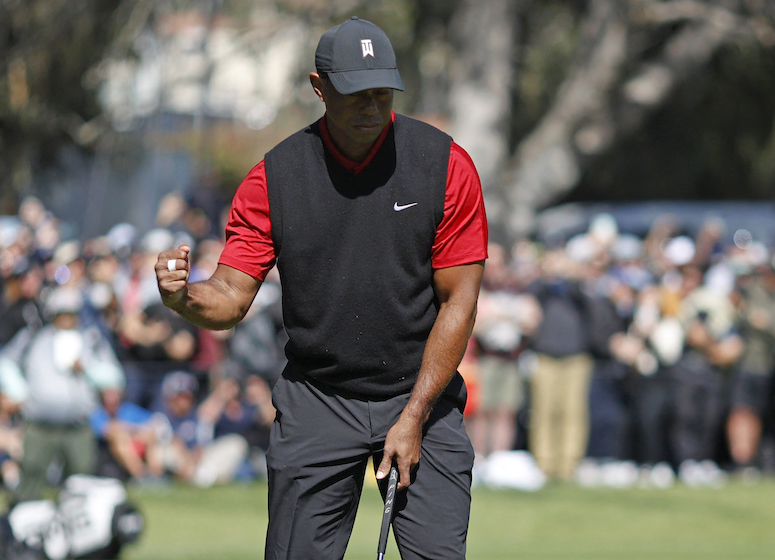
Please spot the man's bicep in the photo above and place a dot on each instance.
(249, 245)
(459, 284)
(461, 236)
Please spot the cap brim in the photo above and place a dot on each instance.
(360, 80)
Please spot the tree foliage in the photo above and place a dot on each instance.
(556, 100)
(657, 83)
(46, 50)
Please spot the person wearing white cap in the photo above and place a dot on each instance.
(54, 372)
(377, 224)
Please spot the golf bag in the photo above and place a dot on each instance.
(91, 519)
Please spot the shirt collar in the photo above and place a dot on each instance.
(354, 167)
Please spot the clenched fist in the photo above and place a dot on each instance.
(172, 270)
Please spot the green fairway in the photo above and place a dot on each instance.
(558, 522)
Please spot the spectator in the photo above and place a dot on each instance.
(193, 454)
(102, 266)
(240, 406)
(60, 364)
(11, 436)
(752, 379)
(559, 418)
(469, 371)
(134, 284)
(42, 224)
(67, 266)
(713, 345)
(651, 346)
(153, 340)
(610, 316)
(18, 303)
(504, 318)
(259, 394)
(708, 245)
(129, 437)
(171, 212)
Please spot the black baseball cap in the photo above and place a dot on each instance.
(357, 55)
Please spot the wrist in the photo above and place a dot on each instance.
(177, 300)
(416, 413)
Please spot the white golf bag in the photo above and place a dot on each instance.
(91, 519)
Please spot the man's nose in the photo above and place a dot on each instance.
(369, 104)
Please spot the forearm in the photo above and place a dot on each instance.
(457, 289)
(443, 353)
(211, 304)
(218, 303)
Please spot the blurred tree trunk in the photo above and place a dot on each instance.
(547, 162)
(483, 33)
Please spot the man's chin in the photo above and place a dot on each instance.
(373, 130)
(367, 133)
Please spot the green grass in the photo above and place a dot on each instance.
(558, 523)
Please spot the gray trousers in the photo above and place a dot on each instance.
(319, 448)
(75, 446)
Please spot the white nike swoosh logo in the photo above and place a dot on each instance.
(398, 208)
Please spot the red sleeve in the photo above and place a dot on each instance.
(461, 237)
(249, 247)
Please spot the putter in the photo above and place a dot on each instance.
(387, 514)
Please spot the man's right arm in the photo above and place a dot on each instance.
(218, 303)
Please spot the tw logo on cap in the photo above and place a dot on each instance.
(367, 48)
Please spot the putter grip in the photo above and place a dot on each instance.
(387, 513)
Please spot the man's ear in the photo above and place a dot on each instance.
(317, 85)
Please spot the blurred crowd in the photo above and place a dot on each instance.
(620, 360)
(609, 358)
(97, 376)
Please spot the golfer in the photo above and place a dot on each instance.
(377, 226)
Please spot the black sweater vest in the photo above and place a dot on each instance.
(354, 256)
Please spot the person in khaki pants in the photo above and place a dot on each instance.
(559, 389)
(559, 423)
